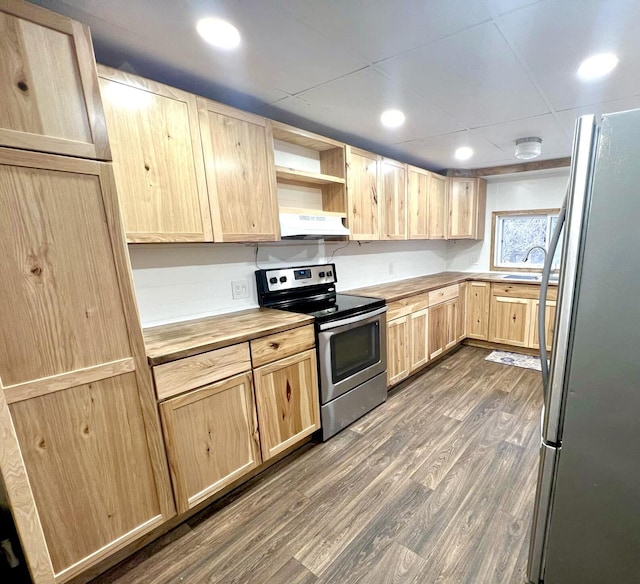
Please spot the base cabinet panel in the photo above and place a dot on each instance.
(288, 402)
(438, 330)
(549, 320)
(510, 321)
(419, 339)
(477, 310)
(86, 454)
(212, 438)
(397, 350)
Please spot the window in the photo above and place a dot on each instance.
(514, 233)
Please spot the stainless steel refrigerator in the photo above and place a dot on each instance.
(586, 525)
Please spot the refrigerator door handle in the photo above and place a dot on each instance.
(542, 304)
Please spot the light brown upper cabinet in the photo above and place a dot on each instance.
(73, 368)
(157, 159)
(48, 84)
(393, 197)
(362, 194)
(426, 204)
(467, 203)
(240, 169)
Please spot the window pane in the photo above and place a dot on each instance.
(558, 254)
(519, 233)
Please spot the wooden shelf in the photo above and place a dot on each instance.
(303, 138)
(293, 176)
(299, 211)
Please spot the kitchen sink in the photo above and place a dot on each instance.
(530, 277)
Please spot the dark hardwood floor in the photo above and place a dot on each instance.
(435, 486)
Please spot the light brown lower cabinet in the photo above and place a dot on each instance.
(419, 339)
(397, 349)
(438, 329)
(477, 310)
(287, 401)
(461, 323)
(211, 436)
(510, 321)
(549, 320)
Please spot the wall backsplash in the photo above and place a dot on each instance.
(183, 281)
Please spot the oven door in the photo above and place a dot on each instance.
(351, 351)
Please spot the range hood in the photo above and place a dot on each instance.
(308, 224)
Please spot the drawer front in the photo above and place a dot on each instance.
(281, 345)
(530, 291)
(407, 306)
(185, 374)
(443, 294)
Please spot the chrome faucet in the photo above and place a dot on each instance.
(526, 257)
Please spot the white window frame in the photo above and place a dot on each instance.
(496, 239)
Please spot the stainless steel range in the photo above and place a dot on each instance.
(350, 338)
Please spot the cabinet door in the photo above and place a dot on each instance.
(362, 194)
(461, 318)
(467, 202)
(288, 402)
(510, 321)
(48, 86)
(72, 362)
(212, 438)
(477, 309)
(419, 339)
(438, 329)
(393, 181)
(438, 202)
(238, 156)
(549, 320)
(398, 350)
(157, 159)
(453, 318)
(417, 203)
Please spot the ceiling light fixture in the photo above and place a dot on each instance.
(392, 118)
(463, 153)
(528, 148)
(218, 32)
(597, 66)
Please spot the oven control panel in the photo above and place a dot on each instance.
(295, 278)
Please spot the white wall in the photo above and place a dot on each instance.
(508, 193)
(183, 281)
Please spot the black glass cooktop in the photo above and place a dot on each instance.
(342, 305)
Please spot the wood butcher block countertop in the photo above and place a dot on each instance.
(177, 340)
(400, 289)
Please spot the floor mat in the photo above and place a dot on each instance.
(507, 358)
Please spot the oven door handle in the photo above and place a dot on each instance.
(359, 318)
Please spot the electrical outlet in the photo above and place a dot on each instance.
(239, 289)
(473, 260)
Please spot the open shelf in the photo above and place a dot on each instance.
(295, 176)
(303, 138)
(320, 212)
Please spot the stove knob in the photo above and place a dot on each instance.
(273, 280)
(329, 274)
(283, 279)
(321, 275)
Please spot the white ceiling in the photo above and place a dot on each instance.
(477, 73)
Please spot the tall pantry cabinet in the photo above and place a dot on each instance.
(81, 454)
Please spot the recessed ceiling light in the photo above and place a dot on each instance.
(597, 66)
(463, 153)
(218, 32)
(392, 118)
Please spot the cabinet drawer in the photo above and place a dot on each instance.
(530, 291)
(281, 345)
(185, 374)
(406, 306)
(443, 294)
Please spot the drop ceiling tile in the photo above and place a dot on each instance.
(505, 6)
(555, 36)
(358, 99)
(555, 142)
(473, 76)
(568, 117)
(377, 29)
(438, 150)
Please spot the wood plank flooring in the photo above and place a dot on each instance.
(435, 486)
